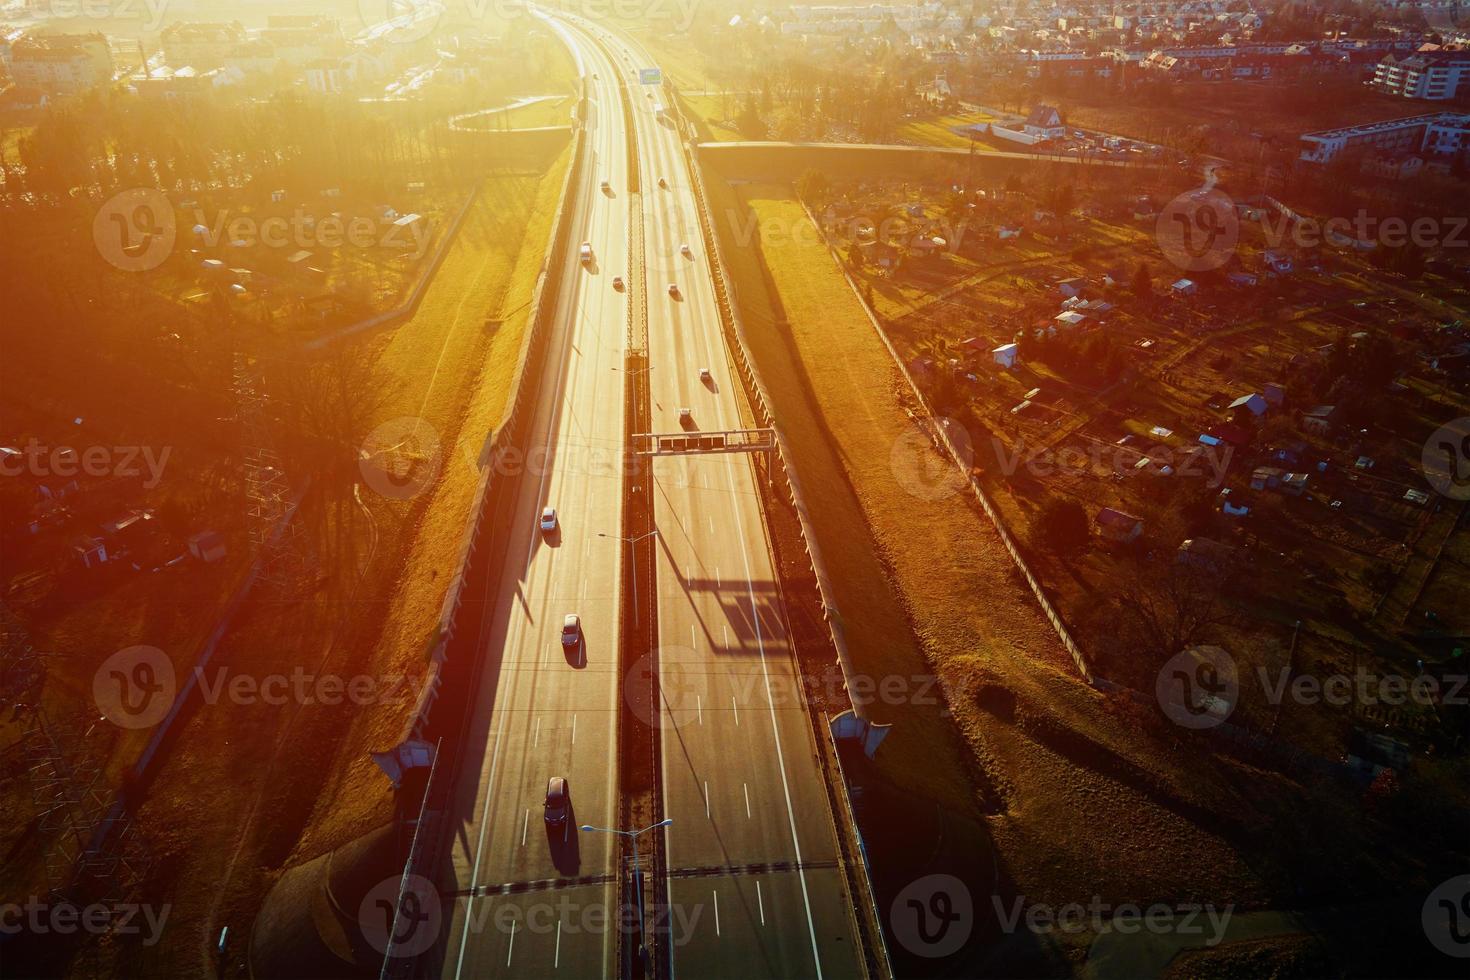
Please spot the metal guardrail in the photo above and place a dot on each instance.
(542, 307)
(734, 331)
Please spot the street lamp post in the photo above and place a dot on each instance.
(632, 541)
(632, 835)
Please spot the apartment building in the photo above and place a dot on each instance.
(1432, 75)
(60, 64)
(200, 45)
(1441, 134)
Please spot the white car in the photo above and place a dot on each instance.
(571, 630)
(586, 253)
(548, 519)
(684, 251)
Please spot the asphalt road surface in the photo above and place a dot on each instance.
(543, 710)
(752, 852)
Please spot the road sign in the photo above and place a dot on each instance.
(650, 76)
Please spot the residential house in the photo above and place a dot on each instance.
(61, 64)
(1184, 287)
(1005, 355)
(1072, 287)
(1045, 122)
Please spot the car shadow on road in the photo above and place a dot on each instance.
(565, 844)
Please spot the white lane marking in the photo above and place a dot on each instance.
(759, 901)
(746, 788)
(536, 733)
(525, 826)
(726, 628)
(706, 797)
(510, 947)
(500, 727)
(556, 960)
(574, 728)
(711, 525)
(717, 576)
(806, 899)
(693, 637)
(735, 705)
(699, 706)
(717, 910)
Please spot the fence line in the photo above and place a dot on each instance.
(940, 433)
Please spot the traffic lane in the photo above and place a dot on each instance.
(732, 687)
(564, 932)
(747, 925)
(739, 760)
(570, 570)
(522, 608)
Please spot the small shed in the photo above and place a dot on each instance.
(1255, 402)
(207, 546)
(1115, 525)
(1005, 355)
(90, 551)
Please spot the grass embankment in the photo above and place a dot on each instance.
(236, 797)
(940, 131)
(1078, 791)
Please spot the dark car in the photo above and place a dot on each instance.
(558, 801)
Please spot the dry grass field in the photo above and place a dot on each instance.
(1069, 785)
(239, 796)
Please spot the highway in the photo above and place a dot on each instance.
(540, 711)
(752, 849)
